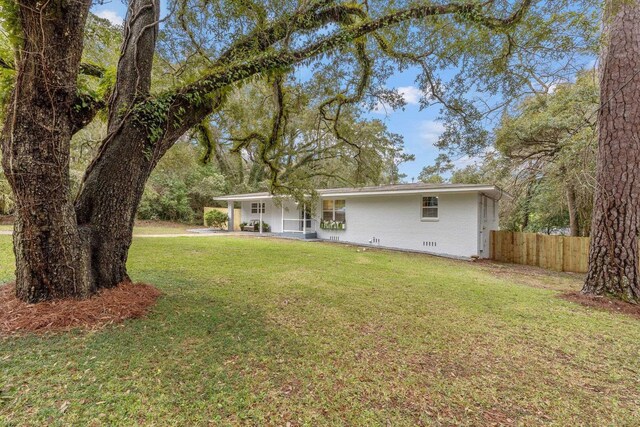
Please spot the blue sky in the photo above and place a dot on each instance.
(420, 129)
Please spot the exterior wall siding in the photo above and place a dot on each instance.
(395, 221)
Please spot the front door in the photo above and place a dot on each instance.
(305, 217)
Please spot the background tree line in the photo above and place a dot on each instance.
(543, 153)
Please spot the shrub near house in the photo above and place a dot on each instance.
(216, 219)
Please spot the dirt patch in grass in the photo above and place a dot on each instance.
(603, 303)
(109, 306)
(534, 276)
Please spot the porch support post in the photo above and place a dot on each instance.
(260, 210)
(282, 217)
(230, 212)
(304, 219)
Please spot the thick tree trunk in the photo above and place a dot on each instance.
(51, 256)
(613, 258)
(112, 188)
(65, 249)
(107, 205)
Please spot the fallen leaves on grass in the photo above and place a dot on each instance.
(109, 306)
(535, 277)
(603, 303)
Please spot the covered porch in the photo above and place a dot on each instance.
(265, 214)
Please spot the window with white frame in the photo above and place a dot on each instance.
(257, 208)
(430, 207)
(334, 210)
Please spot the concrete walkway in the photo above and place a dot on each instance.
(189, 233)
(193, 234)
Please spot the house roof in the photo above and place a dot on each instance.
(413, 188)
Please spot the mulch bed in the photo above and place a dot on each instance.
(603, 303)
(109, 306)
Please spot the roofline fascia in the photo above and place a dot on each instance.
(241, 198)
(479, 189)
(412, 191)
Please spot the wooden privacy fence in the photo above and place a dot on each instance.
(560, 253)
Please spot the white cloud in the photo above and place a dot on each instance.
(430, 131)
(111, 16)
(553, 86)
(410, 94)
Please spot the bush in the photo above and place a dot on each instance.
(179, 187)
(216, 219)
(169, 202)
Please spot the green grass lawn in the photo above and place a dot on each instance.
(265, 332)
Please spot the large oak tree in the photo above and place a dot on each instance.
(68, 247)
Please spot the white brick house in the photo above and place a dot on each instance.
(444, 219)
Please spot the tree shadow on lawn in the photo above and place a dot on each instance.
(200, 359)
(193, 358)
(213, 351)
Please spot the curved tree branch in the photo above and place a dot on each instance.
(190, 104)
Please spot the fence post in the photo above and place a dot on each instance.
(560, 250)
(492, 244)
